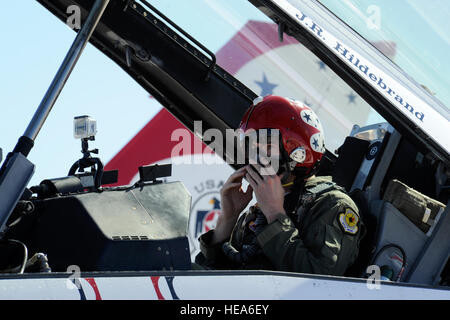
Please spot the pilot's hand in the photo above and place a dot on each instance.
(233, 201)
(268, 191)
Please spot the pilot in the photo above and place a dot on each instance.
(300, 223)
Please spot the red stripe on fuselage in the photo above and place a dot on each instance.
(93, 284)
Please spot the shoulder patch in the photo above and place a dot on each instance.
(349, 221)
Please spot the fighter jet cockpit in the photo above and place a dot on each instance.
(139, 211)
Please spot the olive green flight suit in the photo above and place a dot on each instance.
(324, 240)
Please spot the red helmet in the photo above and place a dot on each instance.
(299, 127)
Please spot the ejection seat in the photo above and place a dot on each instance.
(391, 241)
(354, 167)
